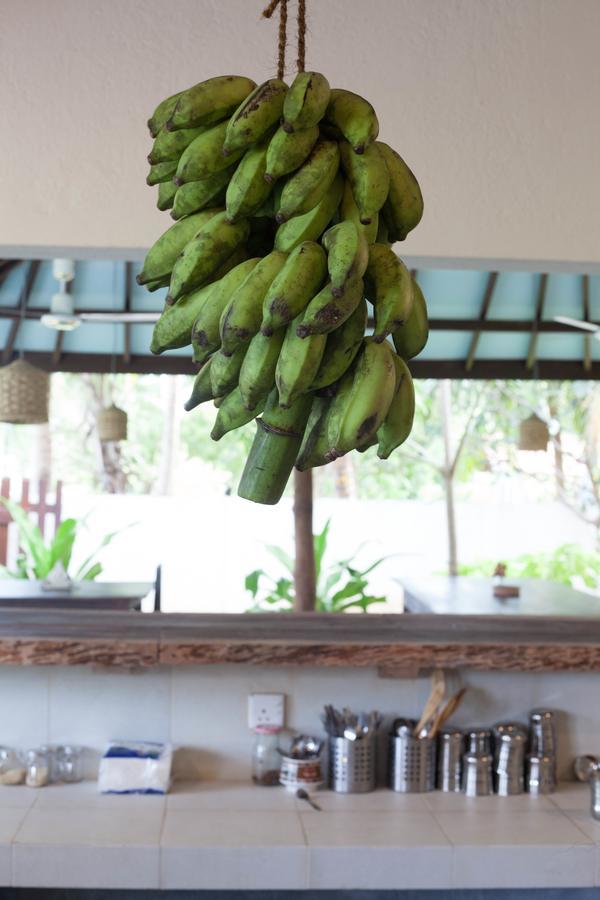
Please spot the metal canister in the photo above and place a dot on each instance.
(509, 763)
(352, 765)
(540, 777)
(477, 774)
(411, 764)
(542, 724)
(479, 740)
(595, 788)
(451, 745)
(585, 766)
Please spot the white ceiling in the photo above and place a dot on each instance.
(494, 103)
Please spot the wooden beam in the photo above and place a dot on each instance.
(535, 328)
(20, 310)
(587, 338)
(127, 308)
(485, 305)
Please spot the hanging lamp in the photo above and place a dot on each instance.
(24, 394)
(533, 434)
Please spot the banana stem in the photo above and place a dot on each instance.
(269, 465)
(304, 564)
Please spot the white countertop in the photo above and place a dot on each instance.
(231, 836)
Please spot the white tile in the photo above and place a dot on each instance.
(229, 796)
(573, 797)
(130, 826)
(210, 849)
(24, 705)
(85, 795)
(544, 828)
(10, 821)
(440, 801)
(17, 796)
(377, 850)
(524, 867)
(92, 706)
(85, 866)
(379, 800)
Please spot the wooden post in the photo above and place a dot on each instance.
(304, 564)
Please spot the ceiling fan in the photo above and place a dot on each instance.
(580, 325)
(62, 315)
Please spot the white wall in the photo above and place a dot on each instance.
(203, 709)
(493, 103)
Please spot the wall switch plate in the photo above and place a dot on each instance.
(266, 710)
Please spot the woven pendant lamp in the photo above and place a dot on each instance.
(533, 434)
(24, 394)
(112, 424)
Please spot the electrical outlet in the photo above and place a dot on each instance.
(266, 710)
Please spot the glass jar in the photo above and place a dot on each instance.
(37, 768)
(69, 764)
(266, 759)
(12, 768)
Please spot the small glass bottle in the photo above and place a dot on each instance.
(37, 768)
(69, 764)
(266, 759)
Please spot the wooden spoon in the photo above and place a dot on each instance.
(436, 696)
(446, 711)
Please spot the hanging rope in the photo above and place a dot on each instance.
(282, 41)
(301, 35)
(267, 13)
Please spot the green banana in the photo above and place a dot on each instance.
(349, 213)
(196, 195)
(398, 422)
(161, 172)
(311, 225)
(306, 187)
(209, 101)
(166, 195)
(354, 117)
(294, 287)
(174, 328)
(403, 208)
(274, 450)
(314, 447)
(247, 189)
(233, 414)
(225, 370)
(306, 101)
(410, 338)
(242, 316)
(203, 255)
(325, 312)
(298, 363)
(369, 178)
(162, 113)
(158, 284)
(257, 375)
(161, 256)
(204, 156)
(205, 330)
(363, 399)
(287, 152)
(169, 145)
(347, 255)
(389, 287)
(255, 116)
(342, 346)
(202, 388)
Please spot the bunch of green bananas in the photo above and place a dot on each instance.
(286, 208)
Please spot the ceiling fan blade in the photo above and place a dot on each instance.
(577, 323)
(125, 318)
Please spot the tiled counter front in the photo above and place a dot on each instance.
(236, 836)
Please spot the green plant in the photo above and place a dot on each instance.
(566, 564)
(36, 558)
(339, 587)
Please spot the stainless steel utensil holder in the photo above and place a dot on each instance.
(451, 746)
(352, 765)
(412, 764)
